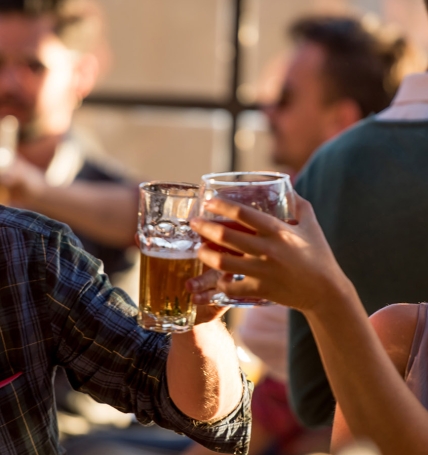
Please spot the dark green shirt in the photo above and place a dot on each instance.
(369, 190)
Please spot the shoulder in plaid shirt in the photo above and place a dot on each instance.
(58, 308)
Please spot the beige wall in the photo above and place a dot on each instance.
(169, 47)
(162, 144)
(183, 48)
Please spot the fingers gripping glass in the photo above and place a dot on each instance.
(269, 192)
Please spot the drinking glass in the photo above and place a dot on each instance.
(168, 249)
(269, 192)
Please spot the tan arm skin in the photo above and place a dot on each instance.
(204, 361)
(294, 266)
(105, 212)
(395, 326)
(212, 353)
(203, 372)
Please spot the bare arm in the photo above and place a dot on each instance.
(203, 372)
(372, 395)
(395, 327)
(293, 265)
(105, 212)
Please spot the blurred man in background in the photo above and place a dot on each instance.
(51, 54)
(49, 62)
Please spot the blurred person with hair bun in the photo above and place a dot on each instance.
(369, 191)
(340, 72)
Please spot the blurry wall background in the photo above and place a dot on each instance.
(186, 74)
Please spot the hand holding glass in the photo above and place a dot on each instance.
(269, 192)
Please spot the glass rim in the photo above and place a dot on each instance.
(277, 177)
(167, 184)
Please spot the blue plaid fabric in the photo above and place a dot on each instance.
(57, 307)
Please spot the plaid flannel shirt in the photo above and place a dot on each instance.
(58, 308)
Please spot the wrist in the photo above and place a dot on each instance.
(341, 296)
(199, 332)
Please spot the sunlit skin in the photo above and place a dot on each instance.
(303, 118)
(36, 74)
(41, 83)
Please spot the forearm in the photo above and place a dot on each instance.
(102, 211)
(203, 372)
(372, 395)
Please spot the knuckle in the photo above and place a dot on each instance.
(306, 205)
(218, 262)
(222, 236)
(270, 250)
(239, 212)
(222, 286)
(209, 279)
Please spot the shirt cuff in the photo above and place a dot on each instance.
(230, 434)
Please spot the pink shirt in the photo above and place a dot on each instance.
(411, 100)
(417, 367)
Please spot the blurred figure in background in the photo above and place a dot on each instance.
(51, 54)
(340, 73)
(50, 58)
(369, 190)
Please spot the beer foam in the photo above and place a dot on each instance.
(171, 254)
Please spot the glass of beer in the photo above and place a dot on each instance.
(269, 192)
(168, 255)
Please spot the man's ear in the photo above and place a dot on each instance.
(87, 71)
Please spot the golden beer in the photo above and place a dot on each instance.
(163, 287)
(168, 255)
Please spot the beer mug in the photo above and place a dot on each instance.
(168, 249)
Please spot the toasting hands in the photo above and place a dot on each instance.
(288, 264)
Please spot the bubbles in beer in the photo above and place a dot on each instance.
(163, 279)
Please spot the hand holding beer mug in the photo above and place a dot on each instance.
(269, 192)
(168, 255)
